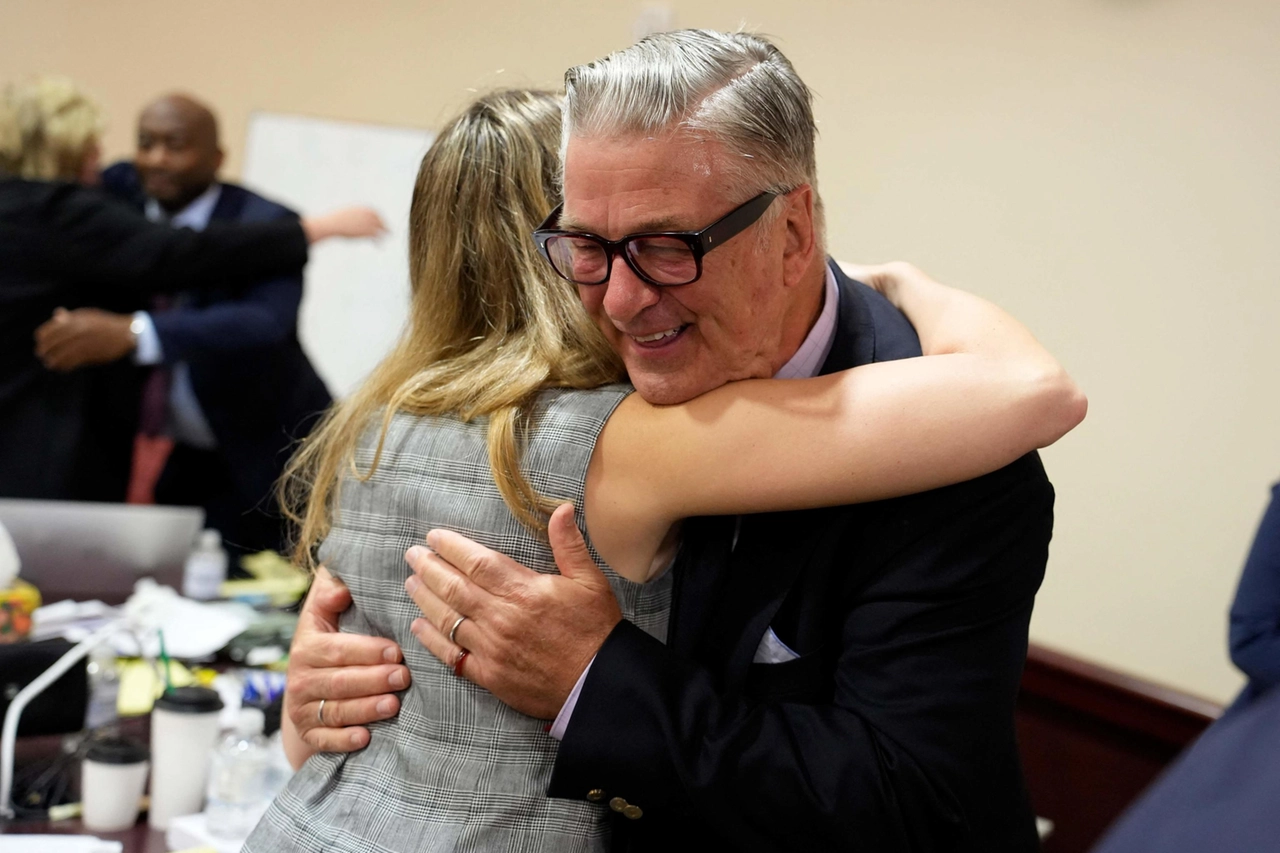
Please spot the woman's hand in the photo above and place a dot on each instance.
(351, 222)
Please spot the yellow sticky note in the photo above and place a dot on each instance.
(141, 684)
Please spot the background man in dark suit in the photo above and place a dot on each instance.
(839, 679)
(232, 385)
(1220, 794)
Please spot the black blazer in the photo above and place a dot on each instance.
(66, 245)
(255, 385)
(892, 731)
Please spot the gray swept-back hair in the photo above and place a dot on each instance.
(735, 88)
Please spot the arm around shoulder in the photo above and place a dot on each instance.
(103, 240)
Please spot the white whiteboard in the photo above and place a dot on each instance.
(357, 292)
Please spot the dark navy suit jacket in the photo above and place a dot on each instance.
(1221, 796)
(1223, 793)
(1255, 612)
(892, 731)
(256, 386)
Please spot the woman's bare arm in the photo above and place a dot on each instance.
(984, 394)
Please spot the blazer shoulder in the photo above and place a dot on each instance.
(64, 205)
(249, 206)
(123, 181)
(869, 328)
(20, 198)
(121, 170)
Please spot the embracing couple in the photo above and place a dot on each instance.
(789, 615)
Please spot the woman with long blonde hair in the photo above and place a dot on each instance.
(498, 403)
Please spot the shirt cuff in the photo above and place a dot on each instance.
(148, 349)
(561, 724)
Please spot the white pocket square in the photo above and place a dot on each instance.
(773, 650)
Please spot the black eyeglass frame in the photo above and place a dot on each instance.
(699, 242)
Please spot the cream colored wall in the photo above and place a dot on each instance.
(1107, 169)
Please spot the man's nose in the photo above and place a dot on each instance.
(626, 294)
(153, 155)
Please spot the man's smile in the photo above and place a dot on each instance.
(661, 338)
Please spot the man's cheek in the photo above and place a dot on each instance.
(593, 304)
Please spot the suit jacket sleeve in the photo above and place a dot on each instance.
(904, 743)
(266, 314)
(100, 240)
(1255, 612)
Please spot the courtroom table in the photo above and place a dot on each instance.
(139, 838)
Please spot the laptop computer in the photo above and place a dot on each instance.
(83, 551)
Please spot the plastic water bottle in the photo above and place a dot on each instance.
(206, 567)
(239, 778)
(104, 688)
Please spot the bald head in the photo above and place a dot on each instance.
(178, 153)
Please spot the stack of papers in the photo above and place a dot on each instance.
(192, 629)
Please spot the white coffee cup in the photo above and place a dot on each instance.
(112, 778)
(184, 728)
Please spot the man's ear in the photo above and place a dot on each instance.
(217, 161)
(800, 237)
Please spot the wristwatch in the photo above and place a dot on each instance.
(137, 326)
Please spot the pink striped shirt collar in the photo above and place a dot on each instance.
(813, 352)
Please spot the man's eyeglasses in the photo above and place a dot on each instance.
(663, 258)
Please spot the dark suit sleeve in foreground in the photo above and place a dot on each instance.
(95, 239)
(1220, 795)
(904, 741)
(264, 315)
(1255, 612)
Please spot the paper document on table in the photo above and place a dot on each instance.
(192, 629)
(57, 844)
(72, 620)
(191, 833)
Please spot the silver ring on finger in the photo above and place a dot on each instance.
(453, 632)
(320, 712)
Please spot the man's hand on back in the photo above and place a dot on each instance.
(354, 674)
(529, 636)
(84, 336)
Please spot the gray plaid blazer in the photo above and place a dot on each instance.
(456, 769)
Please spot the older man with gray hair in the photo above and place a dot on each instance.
(834, 679)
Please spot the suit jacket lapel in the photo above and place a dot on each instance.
(773, 548)
(699, 576)
(723, 602)
(855, 341)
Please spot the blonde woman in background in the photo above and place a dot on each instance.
(65, 245)
(50, 129)
(502, 400)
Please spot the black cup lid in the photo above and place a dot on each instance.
(117, 751)
(190, 700)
